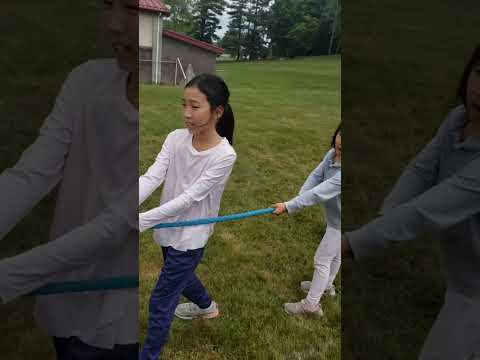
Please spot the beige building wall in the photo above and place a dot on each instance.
(145, 32)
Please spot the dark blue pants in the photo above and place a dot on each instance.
(73, 348)
(177, 278)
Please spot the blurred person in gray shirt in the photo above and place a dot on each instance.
(88, 149)
(440, 191)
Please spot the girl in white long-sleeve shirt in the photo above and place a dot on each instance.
(193, 166)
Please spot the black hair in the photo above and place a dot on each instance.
(339, 128)
(217, 93)
(462, 88)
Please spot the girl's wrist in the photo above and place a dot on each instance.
(346, 248)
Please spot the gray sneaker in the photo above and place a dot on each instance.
(302, 308)
(190, 311)
(305, 286)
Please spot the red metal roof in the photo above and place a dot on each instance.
(154, 5)
(189, 40)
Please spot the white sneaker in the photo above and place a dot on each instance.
(190, 311)
(305, 286)
(331, 291)
(303, 308)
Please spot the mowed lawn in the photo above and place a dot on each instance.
(286, 112)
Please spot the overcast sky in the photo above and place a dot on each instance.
(223, 23)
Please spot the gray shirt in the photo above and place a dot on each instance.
(438, 191)
(88, 146)
(324, 185)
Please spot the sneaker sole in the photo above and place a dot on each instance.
(316, 314)
(211, 315)
(305, 291)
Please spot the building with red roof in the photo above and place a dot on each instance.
(165, 55)
(155, 6)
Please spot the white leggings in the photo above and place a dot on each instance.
(327, 262)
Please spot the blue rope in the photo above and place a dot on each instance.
(127, 282)
(219, 219)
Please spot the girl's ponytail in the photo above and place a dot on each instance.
(226, 124)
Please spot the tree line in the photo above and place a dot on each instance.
(259, 29)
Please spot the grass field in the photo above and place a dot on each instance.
(286, 112)
(401, 64)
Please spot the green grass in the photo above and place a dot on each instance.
(286, 112)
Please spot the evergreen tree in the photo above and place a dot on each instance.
(206, 20)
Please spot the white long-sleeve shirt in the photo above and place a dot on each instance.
(194, 182)
(88, 145)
